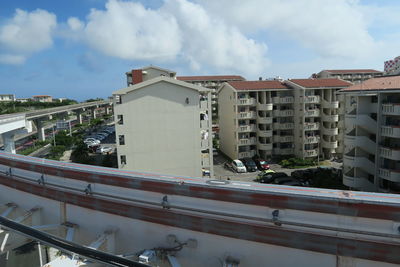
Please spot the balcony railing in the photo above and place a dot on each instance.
(330, 131)
(247, 141)
(264, 120)
(246, 115)
(283, 126)
(264, 133)
(391, 109)
(311, 99)
(359, 162)
(360, 183)
(283, 100)
(330, 104)
(389, 153)
(283, 151)
(390, 131)
(311, 126)
(391, 175)
(203, 105)
(205, 160)
(283, 113)
(329, 144)
(312, 113)
(246, 101)
(311, 139)
(264, 146)
(264, 107)
(330, 118)
(310, 153)
(204, 124)
(246, 154)
(247, 128)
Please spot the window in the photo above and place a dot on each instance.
(121, 139)
(123, 159)
(118, 99)
(120, 119)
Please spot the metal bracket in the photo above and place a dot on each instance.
(165, 204)
(275, 218)
(41, 180)
(88, 190)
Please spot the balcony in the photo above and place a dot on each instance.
(389, 153)
(247, 141)
(360, 141)
(203, 105)
(204, 124)
(246, 154)
(264, 107)
(264, 146)
(264, 120)
(311, 99)
(312, 113)
(284, 139)
(205, 160)
(247, 128)
(359, 162)
(329, 144)
(264, 133)
(311, 126)
(311, 139)
(391, 175)
(310, 153)
(330, 104)
(330, 131)
(205, 144)
(391, 109)
(283, 113)
(330, 118)
(246, 101)
(283, 126)
(283, 151)
(359, 183)
(283, 100)
(390, 131)
(246, 115)
(362, 120)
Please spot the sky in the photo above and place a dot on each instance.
(81, 49)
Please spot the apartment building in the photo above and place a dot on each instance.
(352, 75)
(318, 116)
(298, 117)
(7, 98)
(256, 118)
(164, 125)
(146, 73)
(212, 82)
(42, 98)
(392, 66)
(372, 135)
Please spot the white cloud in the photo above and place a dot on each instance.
(26, 33)
(331, 28)
(75, 24)
(127, 30)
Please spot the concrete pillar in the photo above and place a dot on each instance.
(8, 140)
(94, 115)
(40, 129)
(107, 110)
(79, 117)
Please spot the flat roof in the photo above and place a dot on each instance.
(317, 83)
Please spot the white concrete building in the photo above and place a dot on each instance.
(42, 98)
(212, 82)
(7, 97)
(372, 135)
(164, 126)
(298, 117)
(352, 75)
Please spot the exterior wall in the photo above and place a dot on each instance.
(42, 99)
(161, 130)
(150, 73)
(4, 98)
(227, 121)
(348, 76)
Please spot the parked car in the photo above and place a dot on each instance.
(261, 164)
(104, 149)
(236, 166)
(91, 141)
(250, 164)
(287, 181)
(269, 176)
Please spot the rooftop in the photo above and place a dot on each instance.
(257, 85)
(381, 83)
(353, 71)
(211, 78)
(41, 96)
(317, 83)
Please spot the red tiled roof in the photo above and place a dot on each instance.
(381, 83)
(316, 83)
(354, 71)
(211, 78)
(258, 85)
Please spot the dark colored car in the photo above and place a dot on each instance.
(287, 181)
(250, 164)
(269, 177)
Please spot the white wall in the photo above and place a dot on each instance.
(227, 116)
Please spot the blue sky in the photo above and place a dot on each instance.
(81, 48)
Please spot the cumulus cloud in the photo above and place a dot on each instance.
(178, 30)
(26, 33)
(331, 28)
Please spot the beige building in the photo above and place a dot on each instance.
(164, 126)
(280, 118)
(212, 82)
(372, 135)
(42, 98)
(352, 75)
(147, 73)
(7, 98)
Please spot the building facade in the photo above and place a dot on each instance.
(392, 66)
(7, 97)
(212, 82)
(164, 126)
(280, 118)
(352, 75)
(372, 135)
(42, 98)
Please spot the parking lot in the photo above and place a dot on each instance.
(222, 173)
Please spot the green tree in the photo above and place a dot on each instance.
(80, 154)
